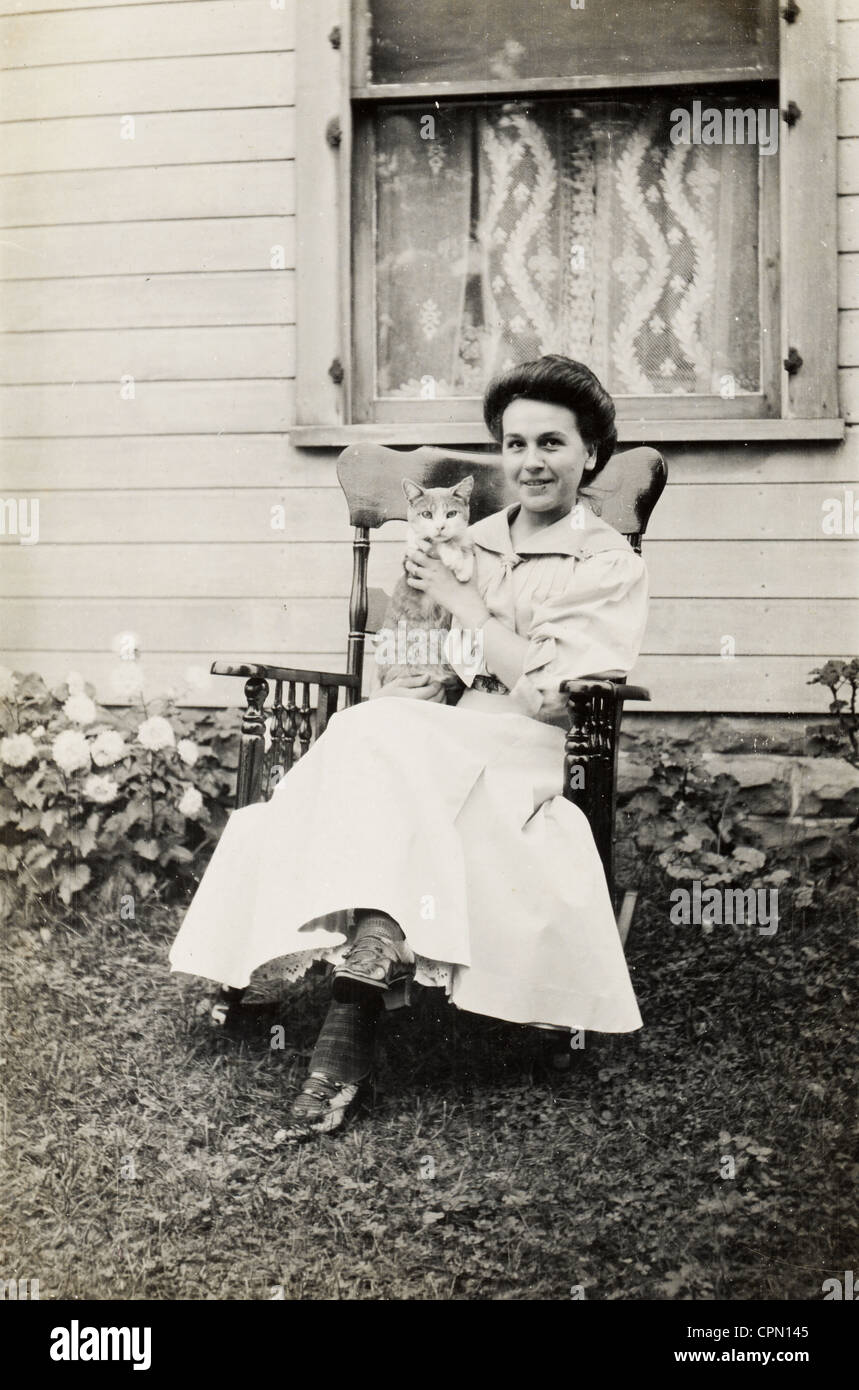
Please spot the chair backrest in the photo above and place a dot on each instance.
(371, 476)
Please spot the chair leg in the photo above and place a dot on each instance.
(226, 1006)
(624, 917)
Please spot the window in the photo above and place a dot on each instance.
(613, 183)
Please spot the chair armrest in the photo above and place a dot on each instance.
(289, 724)
(594, 706)
(590, 685)
(257, 670)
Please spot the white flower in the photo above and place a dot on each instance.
(101, 789)
(79, 709)
(108, 748)
(192, 802)
(7, 684)
(156, 733)
(75, 682)
(126, 681)
(17, 750)
(71, 750)
(39, 731)
(188, 751)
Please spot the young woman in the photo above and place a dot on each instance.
(444, 827)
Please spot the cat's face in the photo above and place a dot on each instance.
(438, 513)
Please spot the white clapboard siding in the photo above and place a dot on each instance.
(848, 108)
(848, 49)
(245, 515)
(111, 142)
(848, 165)
(178, 572)
(693, 513)
(756, 464)
(262, 189)
(848, 337)
(743, 569)
(848, 391)
(193, 407)
(762, 685)
(167, 84)
(268, 460)
(848, 223)
(192, 246)
(148, 354)
(149, 301)
(705, 512)
(199, 568)
(744, 685)
(848, 281)
(186, 461)
(697, 627)
(145, 31)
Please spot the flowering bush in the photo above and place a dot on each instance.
(99, 803)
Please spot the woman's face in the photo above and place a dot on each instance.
(544, 457)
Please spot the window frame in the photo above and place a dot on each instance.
(335, 206)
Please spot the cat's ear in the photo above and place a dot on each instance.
(464, 489)
(412, 490)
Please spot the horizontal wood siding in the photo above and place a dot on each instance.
(147, 388)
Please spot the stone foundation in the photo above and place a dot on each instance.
(788, 796)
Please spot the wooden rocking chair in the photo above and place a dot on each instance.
(624, 494)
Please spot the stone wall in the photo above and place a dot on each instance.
(788, 796)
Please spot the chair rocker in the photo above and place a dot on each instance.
(371, 475)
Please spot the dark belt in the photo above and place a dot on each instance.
(490, 684)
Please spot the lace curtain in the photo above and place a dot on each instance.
(508, 231)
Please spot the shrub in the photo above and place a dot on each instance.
(97, 803)
(684, 823)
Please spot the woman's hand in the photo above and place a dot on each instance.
(413, 688)
(442, 587)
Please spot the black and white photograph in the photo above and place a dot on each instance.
(429, 559)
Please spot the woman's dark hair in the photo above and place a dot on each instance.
(558, 381)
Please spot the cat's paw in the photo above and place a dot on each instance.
(465, 569)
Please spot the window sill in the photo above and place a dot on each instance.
(629, 432)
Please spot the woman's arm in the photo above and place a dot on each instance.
(503, 650)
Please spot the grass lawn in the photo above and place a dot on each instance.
(141, 1157)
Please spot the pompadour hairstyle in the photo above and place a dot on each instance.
(558, 381)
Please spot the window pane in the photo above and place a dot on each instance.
(507, 230)
(461, 40)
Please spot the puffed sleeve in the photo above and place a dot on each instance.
(594, 626)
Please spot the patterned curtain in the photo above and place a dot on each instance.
(507, 231)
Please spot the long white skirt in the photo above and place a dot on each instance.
(452, 820)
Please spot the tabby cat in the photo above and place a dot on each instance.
(413, 636)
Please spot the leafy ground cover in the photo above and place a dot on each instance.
(142, 1158)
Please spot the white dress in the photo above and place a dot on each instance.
(451, 818)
